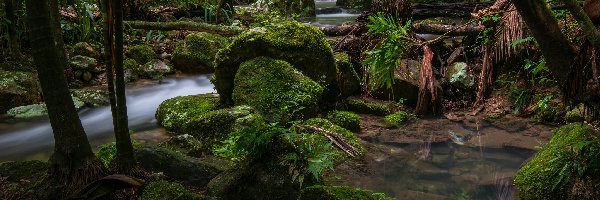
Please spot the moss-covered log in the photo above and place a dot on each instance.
(185, 25)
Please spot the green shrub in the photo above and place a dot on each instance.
(164, 190)
(345, 119)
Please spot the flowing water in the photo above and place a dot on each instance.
(328, 14)
(33, 140)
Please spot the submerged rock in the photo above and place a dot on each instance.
(304, 47)
(279, 92)
(565, 168)
(197, 52)
(178, 166)
(17, 89)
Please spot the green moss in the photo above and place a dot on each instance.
(15, 171)
(161, 190)
(398, 119)
(185, 144)
(362, 106)
(82, 62)
(300, 8)
(537, 178)
(197, 52)
(91, 97)
(142, 53)
(279, 92)
(347, 76)
(37, 110)
(175, 112)
(85, 49)
(345, 119)
(348, 136)
(322, 192)
(578, 114)
(302, 46)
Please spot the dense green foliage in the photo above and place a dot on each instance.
(279, 92)
(566, 168)
(386, 56)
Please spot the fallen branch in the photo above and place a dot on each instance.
(185, 25)
(335, 138)
(451, 30)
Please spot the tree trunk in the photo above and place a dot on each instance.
(125, 159)
(73, 162)
(585, 22)
(554, 45)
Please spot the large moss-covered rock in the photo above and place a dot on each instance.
(398, 119)
(552, 173)
(197, 52)
(85, 49)
(196, 115)
(175, 112)
(178, 166)
(304, 47)
(278, 91)
(17, 89)
(142, 53)
(91, 97)
(322, 192)
(347, 76)
(161, 190)
(288, 8)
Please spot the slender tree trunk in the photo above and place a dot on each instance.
(554, 45)
(124, 158)
(73, 162)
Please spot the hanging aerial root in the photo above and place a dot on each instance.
(485, 78)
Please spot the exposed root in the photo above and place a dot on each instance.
(68, 183)
(427, 102)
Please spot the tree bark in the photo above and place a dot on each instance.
(592, 35)
(190, 26)
(554, 45)
(13, 42)
(423, 11)
(125, 159)
(73, 162)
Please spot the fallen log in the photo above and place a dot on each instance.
(449, 30)
(423, 11)
(185, 25)
(334, 138)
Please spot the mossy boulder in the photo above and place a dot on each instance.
(91, 97)
(85, 49)
(17, 89)
(197, 52)
(345, 119)
(142, 53)
(175, 112)
(17, 170)
(288, 8)
(279, 92)
(161, 190)
(398, 119)
(185, 144)
(178, 166)
(323, 192)
(196, 115)
(83, 68)
(362, 106)
(554, 172)
(155, 69)
(405, 86)
(579, 114)
(304, 47)
(347, 76)
(37, 110)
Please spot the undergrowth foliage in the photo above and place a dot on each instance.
(387, 55)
